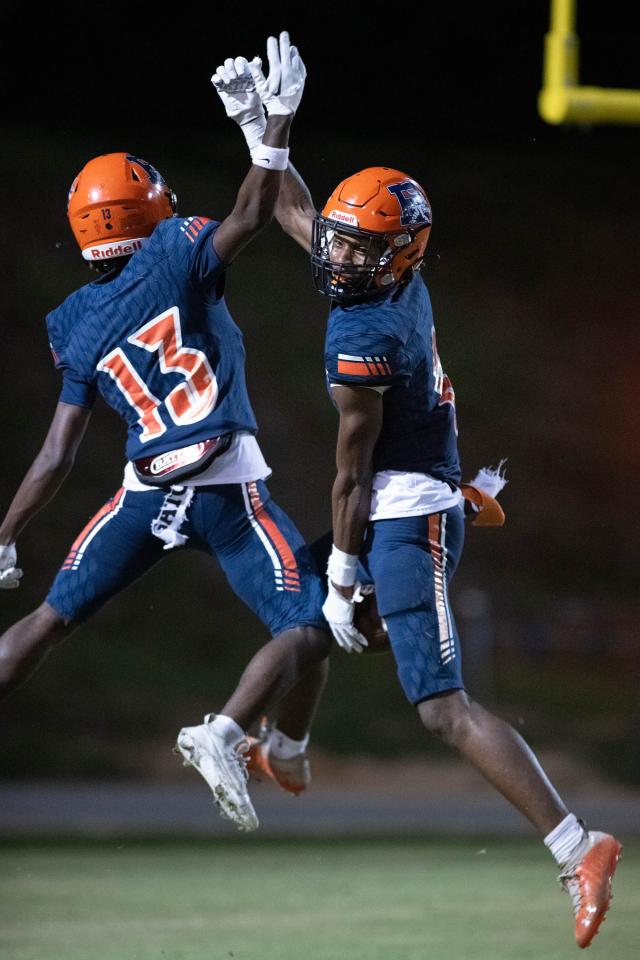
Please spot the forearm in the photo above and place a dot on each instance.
(257, 196)
(258, 193)
(39, 486)
(351, 503)
(294, 208)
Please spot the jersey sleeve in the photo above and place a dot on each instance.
(190, 243)
(366, 360)
(76, 388)
(76, 391)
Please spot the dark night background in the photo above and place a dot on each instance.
(536, 297)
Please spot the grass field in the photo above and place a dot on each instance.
(259, 899)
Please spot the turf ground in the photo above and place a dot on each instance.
(260, 899)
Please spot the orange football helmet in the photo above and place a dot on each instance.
(388, 215)
(115, 203)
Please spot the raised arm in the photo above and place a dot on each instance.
(246, 94)
(41, 482)
(295, 210)
(255, 204)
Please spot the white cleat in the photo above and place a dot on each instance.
(223, 767)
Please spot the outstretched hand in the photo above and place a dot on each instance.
(236, 88)
(280, 92)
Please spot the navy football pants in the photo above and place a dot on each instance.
(260, 550)
(411, 561)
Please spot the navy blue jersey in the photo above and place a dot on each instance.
(158, 342)
(392, 343)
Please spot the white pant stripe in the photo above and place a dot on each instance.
(439, 558)
(98, 527)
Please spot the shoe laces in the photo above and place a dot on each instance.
(570, 878)
(571, 884)
(239, 753)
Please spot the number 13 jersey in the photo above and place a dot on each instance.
(158, 342)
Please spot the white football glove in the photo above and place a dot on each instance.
(281, 91)
(9, 574)
(236, 88)
(339, 613)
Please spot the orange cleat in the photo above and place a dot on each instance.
(293, 775)
(587, 879)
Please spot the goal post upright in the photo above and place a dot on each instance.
(562, 98)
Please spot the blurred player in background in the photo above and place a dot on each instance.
(396, 501)
(152, 334)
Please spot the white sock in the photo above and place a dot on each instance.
(564, 838)
(228, 729)
(283, 747)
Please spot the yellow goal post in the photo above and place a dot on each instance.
(562, 98)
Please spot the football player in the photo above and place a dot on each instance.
(152, 334)
(396, 500)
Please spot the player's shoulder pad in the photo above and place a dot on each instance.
(187, 241)
(367, 342)
(185, 231)
(395, 317)
(361, 354)
(404, 310)
(61, 321)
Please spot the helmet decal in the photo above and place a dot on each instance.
(72, 189)
(154, 175)
(414, 206)
(342, 217)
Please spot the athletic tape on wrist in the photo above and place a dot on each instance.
(342, 568)
(271, 158)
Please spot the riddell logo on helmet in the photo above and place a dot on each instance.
(115, 250)
(349, 218)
